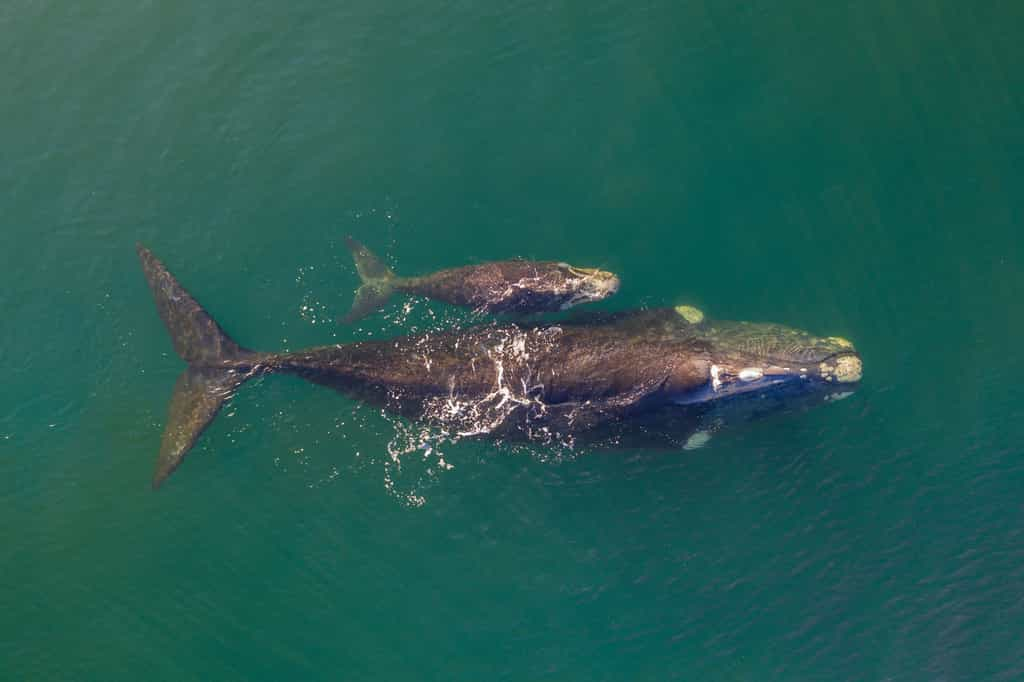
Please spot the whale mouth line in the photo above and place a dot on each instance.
(840, 369)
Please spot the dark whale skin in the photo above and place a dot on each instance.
(506, 286)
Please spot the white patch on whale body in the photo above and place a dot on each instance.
(847, 369)
(751, 373)
(716, 383)
(517, 392)
(697, 440)
(519, 345)
(690, 314)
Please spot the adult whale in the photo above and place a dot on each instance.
(542, 381)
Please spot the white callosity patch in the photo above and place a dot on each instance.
(586, 287)
(846, 369)
(716, 383)
(690, 314)
(839, 341)
(751, 373)
(849, 369)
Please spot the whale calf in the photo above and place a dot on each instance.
(508, 286)
(537, 381)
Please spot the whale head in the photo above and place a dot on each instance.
(746, 359)
(587, 285)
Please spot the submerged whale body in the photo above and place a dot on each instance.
(508, 286)
(541, 382)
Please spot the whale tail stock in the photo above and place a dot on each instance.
(217, 365)
(378, 282)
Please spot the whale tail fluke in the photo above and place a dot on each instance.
(378, 282)
(217, 365)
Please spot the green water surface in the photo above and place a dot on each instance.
(851, 168)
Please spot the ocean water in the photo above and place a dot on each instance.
(854, 169)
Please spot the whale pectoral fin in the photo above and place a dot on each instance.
(697, 440)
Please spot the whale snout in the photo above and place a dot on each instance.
(845, 368)
(609, 283)
(600, 284)
(589, 284)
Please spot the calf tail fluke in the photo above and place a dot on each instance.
(216, 365)
(378, 282)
